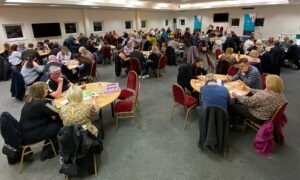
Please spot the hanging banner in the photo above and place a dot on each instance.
(249, 23)
(197, 22)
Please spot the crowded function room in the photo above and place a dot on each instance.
(149, 89)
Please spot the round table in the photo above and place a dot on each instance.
(250, 59)
(101, 101)
(236, 86)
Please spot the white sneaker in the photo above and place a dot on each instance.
(147, 75)
(140, 77)
(143, 77)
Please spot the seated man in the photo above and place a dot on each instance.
(53, 61)
(140, 56)
(293, 53)
(128, 48)
(270, 41)
(30, 51)
(248, 74)
(57, 83)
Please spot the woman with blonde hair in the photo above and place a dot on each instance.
(229, 56)
(154, 57)
(39, 119)
(262, 105)
(77, 112)
(64, 54)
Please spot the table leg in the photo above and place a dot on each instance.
(112, 110)
(100, 115)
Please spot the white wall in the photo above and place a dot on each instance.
(278, 19)
(112, 20)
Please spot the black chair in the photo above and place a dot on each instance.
(171, 57)
(214, 129)
(222, 67)
(17, 86)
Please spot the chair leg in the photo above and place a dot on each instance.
(244, 127)
(95, 165)
(117, 122)
(22, 159)
(186, 117)
(52, 146)
(173, 111)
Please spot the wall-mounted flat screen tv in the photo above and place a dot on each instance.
(46, 30)
(221, 17)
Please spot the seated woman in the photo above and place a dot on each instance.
(188, 72)
(31, 71)
(64, 54)
(213, 94)
(85, 65)
(77, 112)
(154, 57)
(229, 56)
(121, 61)
(262, 105)
(39, 119)
(15, 57)
(84, 52)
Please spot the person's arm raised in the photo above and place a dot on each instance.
(58, 92)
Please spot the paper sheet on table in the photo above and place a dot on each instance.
(237, 92)
(235, 83)
(64, 102)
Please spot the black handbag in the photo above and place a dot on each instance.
(10, 151)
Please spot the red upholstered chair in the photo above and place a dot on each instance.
(180, 98)
(218, 53)
(127, 108)
(161, 64)
(232, 70)
(263, 80)
(275, 118)
(136, 66)
(130, 87)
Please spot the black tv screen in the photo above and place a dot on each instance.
(46, 30)
(221, 17)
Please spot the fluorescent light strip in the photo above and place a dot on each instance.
(6, 4)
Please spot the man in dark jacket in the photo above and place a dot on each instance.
(265, 61)
(71, 44)
(293, 53)
(277, 58)
(29, 52)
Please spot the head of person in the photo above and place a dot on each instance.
(47, 41)
(6, 46)
(65, 50)
(55, 45)
(38, 91)
(119, 47)
(210, 78)
(252, 38)
(30, 46)
(187, 43)
(198, 62)
(129, 44)
(52, 58)
(29, 62)
(274, 83)
(75, 94)
(244, 65)
(137, 47)
(54, 73)
(155, 49)
(82, 50)
(277, 44)
(286, 38)
(254, 53)
(258, 43)
(21, 45)
(14, 47)
(271, 39)
(290, 42)
(229, 51)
